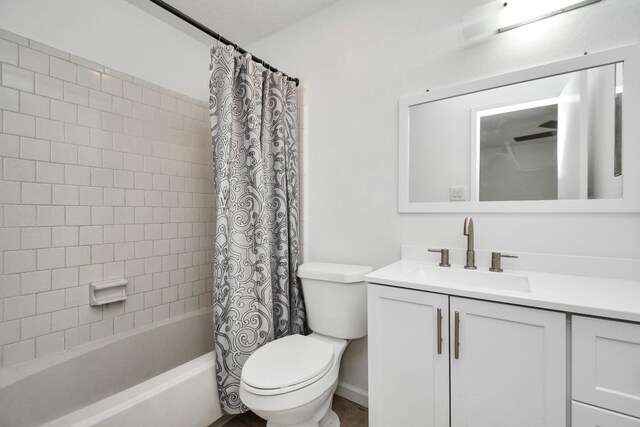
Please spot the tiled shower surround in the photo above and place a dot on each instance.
(103, 176)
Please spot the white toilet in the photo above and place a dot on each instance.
(291, 381)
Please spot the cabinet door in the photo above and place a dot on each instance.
(589, 416)
(408, 376)
(511, 366)
(606, 364)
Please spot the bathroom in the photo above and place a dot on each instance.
(356, 61)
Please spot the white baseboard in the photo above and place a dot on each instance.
(353, 393)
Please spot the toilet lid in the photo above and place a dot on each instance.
(288, 361)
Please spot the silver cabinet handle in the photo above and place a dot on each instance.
(439, 338)
(456, 344)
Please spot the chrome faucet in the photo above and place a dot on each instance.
(471, 254)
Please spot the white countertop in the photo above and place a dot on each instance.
(593, 296)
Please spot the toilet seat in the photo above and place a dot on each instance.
(287, 364)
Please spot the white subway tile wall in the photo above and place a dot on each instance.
(102, 175)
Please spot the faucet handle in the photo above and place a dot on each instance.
(444, 257)
(496, 257)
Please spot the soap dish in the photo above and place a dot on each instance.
(108, 291)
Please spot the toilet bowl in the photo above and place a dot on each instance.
(298, 394)
(291, 381)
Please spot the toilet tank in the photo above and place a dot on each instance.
(335, 296)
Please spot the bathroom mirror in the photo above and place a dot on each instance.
(548, 139)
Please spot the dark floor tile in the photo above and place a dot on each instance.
(250, 419)
(236, 422)
(351, 415)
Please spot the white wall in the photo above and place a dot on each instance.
(357, 58)
(116, 34)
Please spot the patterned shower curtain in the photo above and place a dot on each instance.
(257, 296)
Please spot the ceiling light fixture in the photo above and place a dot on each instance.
(525, 11)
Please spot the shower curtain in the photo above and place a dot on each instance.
(256, 294)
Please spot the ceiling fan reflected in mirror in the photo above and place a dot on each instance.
(550, 124)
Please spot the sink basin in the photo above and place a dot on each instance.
(473, 279)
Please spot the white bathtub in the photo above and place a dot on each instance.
(159, 375)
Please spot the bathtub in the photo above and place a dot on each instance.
(160, 374)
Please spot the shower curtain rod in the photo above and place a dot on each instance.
(189, 20)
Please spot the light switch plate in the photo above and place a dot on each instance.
(457, 194)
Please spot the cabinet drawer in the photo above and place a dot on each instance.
(606, 364)
(590, 416)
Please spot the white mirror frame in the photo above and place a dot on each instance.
(630, 201)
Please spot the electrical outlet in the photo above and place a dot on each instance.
(457, 194)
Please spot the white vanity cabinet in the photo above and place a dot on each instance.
(408, 370)
(605, 373)
(509, 368)
(590, 416)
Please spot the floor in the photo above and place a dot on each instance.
(350, 414)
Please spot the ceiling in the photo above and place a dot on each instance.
(241, 21)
